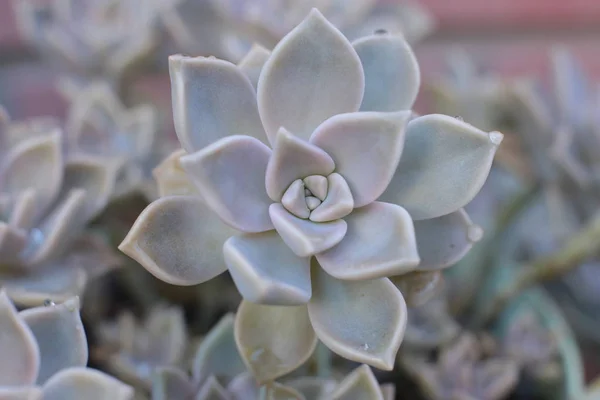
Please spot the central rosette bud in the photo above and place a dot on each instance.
(319, 198)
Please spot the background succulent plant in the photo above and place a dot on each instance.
(46, 198)
(44, 353)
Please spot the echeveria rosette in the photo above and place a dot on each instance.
(46, 198)
(335, 115)
(44, 354)
(98, 123)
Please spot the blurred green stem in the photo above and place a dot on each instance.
(580, 247)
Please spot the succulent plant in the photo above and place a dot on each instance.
(218, 372)
(336, 116)
(459, 373)
(95, 37)
(46, 198)
(134, 349)
(44, 354)
(99, 124)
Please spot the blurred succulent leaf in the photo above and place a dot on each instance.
(392, 76)
(361, 321)
(380, 241)
(429, 166)
(277, 391)
(236, 162)
(21, 393)
(218, 355)
(85, 383)
(243, 387)
(273, 340)
(266, 271)
(201, 118)
(171, 178)
(60, 336)
(212, 390)
(313, 387)
(20, 359)
(169, 383)
(360, 384)
(418, 287)
(388, 391)
(165, 238)
(312, 74)
(253, 62)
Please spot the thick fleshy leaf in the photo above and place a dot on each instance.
(20, 358)
(445, 240)
(21, 393)
(253, 62)
(217, 355)
(294, 200)
(60, 336)
(266, 271)
(243, 387)
(380, 241)
(444, 165)
(96, 175)
(366, 148)
(230, 174)
(304, 237)
(418, 287)
(337, 204)
(277, 391)
(314, 387)
(294, 158)
(312, 75)
(178, 240)
(212, 390)
(85, 383)
(317, 185)
(24, 211)
(35, 163)
(171, 384)
(360, 384)
(388, 391)
(392, 76)
(56, 282)
(361, 321)
(273, 340)
(12, 241)
(58, 229)
(171, 178)
(211, 99)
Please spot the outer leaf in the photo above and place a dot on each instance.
(178, 240)
(392, 76)
(445, 163)
(266, 271)
(85, 383)
(60, 336)
(366, 148)
(217, 355)
(380, 242)
(20, 358)
(230, 174)
(361, 321)
(211, 99)
(360, 384)
(273, 340)
(312, 74)
(445, 240)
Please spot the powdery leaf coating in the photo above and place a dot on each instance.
(266, 271)
(445, 240)
(60, 336)
(361, 321)
(171, 383)
(292, 159)
(166, 236)
(366, 148)
(85, 383)
(253, 62)
(359, 385)
(212, 99)
(20, 360)
(444, 165)
(312, 74)
(230, 174)
(273, 340)
(380, 242)
(305, 237)
(217, 355)
(392, 76)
